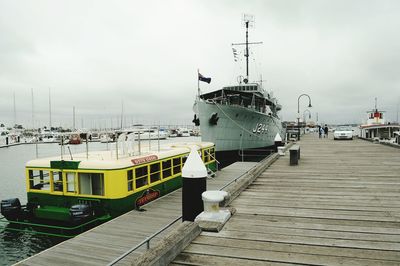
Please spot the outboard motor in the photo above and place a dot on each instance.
(80, 213)
(11, 208)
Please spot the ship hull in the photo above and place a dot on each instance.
(237, 130)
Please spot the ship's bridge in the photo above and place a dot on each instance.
(245, 87)
(250, 96)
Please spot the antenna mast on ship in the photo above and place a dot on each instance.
(248, 21)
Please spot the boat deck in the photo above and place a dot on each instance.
(108, 241)
(339, 206)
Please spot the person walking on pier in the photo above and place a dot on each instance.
(326, 130)
(321, 132)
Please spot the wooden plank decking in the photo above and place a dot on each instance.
(339, 206)
(106, 242)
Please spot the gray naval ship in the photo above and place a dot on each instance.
(238, 118)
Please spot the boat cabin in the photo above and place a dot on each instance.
(250, 96)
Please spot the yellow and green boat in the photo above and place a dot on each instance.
(68, 196)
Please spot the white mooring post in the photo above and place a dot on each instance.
(194, 175)
(278, 141)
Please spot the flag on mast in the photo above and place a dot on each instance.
(204, 79)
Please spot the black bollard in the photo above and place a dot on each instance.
(194, 175)
(18, 139)
(6, 140)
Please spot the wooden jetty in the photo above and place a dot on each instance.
(108, 241)
(339, 206)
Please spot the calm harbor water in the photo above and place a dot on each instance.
(15, 246)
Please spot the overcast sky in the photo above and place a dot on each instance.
(94, 55)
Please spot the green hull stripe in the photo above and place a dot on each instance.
(64, 164)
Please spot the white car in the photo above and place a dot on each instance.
(343, 132)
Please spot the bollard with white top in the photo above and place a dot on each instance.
(278, 141)
(194, 175)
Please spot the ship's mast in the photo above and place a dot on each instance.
(247, 49)
(248, 21)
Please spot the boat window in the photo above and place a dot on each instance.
(155, 172)
(57, 181)
(184, 158)
(177, 165)
(39, 179)
(166, 166)
(130, 180)
(70, 182)
(206, 155)
(212, 151)
(91, 184)
(141, 176)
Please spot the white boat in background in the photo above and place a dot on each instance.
(106, 137)
(376, 128)
(48, 136)
(173, 133)
(3, 134)
(150, 134)
(95, 136)
(183, 132)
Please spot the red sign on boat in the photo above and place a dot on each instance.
(144, 159)
(147, 196)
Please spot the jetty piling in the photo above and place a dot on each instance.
(194, 174)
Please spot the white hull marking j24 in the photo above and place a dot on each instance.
(260, 128)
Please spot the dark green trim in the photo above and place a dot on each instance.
(65, 164)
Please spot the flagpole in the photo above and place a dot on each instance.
(198, 83)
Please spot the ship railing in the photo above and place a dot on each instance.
(213, 157)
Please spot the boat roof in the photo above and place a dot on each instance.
(380, 126)
(228, 91)
(106, 160)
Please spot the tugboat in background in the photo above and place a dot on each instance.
(377, 129)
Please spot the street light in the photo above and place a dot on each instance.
(298, 112)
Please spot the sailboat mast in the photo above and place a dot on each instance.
(73, 118)
(33, 116)
(15, 112)
(49, 109)
(122, 113)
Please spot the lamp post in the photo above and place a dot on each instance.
(298, 112)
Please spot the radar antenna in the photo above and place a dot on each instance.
(248, 21)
